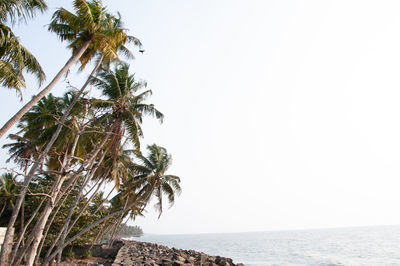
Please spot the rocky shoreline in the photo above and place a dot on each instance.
(149, 254)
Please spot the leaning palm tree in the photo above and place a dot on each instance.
(152, 180)
(15, 59)
(85, 30)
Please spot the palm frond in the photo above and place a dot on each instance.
(13, 10)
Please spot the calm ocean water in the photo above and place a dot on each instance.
(345, 246)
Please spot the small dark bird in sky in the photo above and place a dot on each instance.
(141, 51)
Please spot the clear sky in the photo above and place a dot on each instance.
(279, 114)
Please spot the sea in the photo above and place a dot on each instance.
(356, 246)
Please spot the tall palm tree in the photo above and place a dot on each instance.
(14, 57)
(86, 31)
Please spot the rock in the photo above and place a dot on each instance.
(177, 256)
(190, 260)
(148, 254)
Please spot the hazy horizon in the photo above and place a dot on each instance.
(276, 230)
(278, 114)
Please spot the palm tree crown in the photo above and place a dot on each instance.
(123, 106)
(92, 24)
(152, 180)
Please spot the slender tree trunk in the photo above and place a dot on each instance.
(22, 216)
(104, 200)
(21, 236)
(118, 222)
(2, 209)
(49, 225)
(35, 166)
(23, 204)
(38, 233)
(111, 240)
(74, 58)
(101, 234)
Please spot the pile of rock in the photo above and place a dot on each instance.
(142, 253)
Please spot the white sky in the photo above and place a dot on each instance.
(279, 114)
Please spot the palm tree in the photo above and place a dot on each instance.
(122, 107)
(14, 57)
(87, 31)
(22, 151)
(152, 180)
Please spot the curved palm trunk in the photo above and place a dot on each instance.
(21, 236)
(35, 166)
(74, 58)
(2, 209)
(101, 234)
(117, 224)
(38, 233)
(46, 231)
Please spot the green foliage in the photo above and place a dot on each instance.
(77, 156)
(123, 104)
(91, 23)
(152, 180)
(15, 59)
(11, 10)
